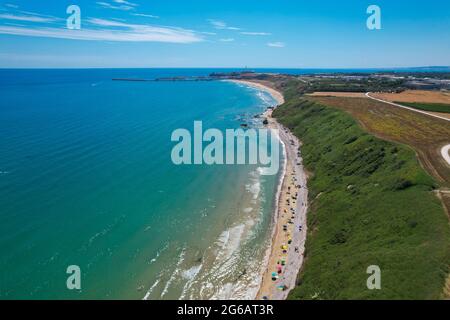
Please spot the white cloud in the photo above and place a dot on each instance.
(121, 32)
(227, 40)
(13, 6)
(109, 23)
(29, 18)
(218, 24)
(256, 33)
(145, 15)
(123, 2)
(115, 7)
(276, 44)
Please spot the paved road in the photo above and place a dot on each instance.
(445, 153)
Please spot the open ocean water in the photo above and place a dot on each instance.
(86, 179)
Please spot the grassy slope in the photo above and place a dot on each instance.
(425, 134)
(371, 203)
(434, 107)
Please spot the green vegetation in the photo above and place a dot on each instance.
(343, 84)
(426, 135)
(435, 107)
(371, 203)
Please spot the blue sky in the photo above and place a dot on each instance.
(224, 33)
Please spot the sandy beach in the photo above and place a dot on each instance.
(278, 96)
(286, 253)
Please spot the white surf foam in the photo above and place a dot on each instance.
(158, 253)
(149, 292)
(175, 272)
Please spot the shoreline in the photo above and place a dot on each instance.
(278, 96)
(286, 251)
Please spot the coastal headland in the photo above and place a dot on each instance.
(366, 192)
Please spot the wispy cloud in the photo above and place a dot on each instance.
(123, 2)
(119, 6)
(276, 44)
(145, 15)
(227, 40)
(29, 18)
(111, 30)
(109, 23)
(256, 33)
(10, 5)
(218, 24)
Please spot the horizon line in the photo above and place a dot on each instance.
(243, 68)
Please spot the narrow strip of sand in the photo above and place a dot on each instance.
(286, 253)
(278, 96)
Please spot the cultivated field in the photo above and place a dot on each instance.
(438, 109)
(338, 94)
(416, 96)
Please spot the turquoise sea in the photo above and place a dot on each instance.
(86, 179)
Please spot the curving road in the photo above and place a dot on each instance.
(445, 153)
